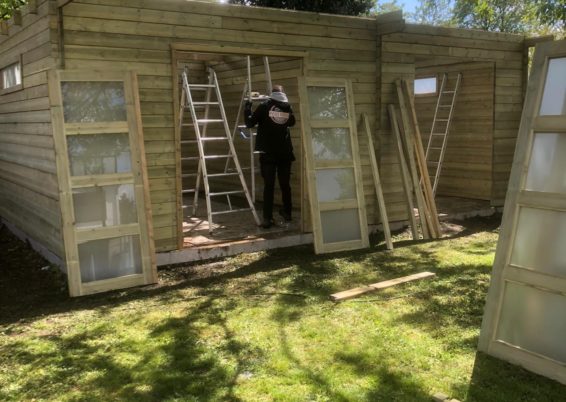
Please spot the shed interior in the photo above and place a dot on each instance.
(232, 73)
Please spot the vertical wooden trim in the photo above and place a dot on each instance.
(309, 159)
(63, 176)
(357, 164)
(61, 37)
(377, 184)
(145, 216)
(178, 163)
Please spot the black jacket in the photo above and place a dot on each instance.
(273, 137)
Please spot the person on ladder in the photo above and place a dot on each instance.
(273, 142)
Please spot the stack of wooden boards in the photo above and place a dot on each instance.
(412, 161)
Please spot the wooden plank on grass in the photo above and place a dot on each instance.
(348, 294)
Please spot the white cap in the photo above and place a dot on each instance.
(279, 96)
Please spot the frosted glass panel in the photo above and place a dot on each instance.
(331, 143)
(335, 184)
(534, 320)
(99, 154)
(424, 86)
(328, 103)
(342, 225)
(547, 167)
(104, 206)
(539, 242)
(110, 258)
(93, 101)
(554, 95)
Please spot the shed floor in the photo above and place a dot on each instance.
(450, 208)
(240, 226)
(237, 226)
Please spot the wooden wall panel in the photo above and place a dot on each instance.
(114, 34)
(28, 182)
(467, 167)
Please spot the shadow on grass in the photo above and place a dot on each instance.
(174, 361)
(495, 380)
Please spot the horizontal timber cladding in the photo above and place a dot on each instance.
(467, 167)
(29, 196)
(415, 49)
(137, 35)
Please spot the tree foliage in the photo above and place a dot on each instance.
(514, 16)
(386, 6)
(552, 13)
(433, 12)
(345, 7)
(7, 7)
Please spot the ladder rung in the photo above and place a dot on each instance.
(436, 163)
(440, 134)
(205, 103)
(210, 121)
(435, 148)
(190, 158)
(448, 92)
(201, 86)
(223, 174)
(188, 191)
(217, 156)
(214, 138)
(188, 141)
(226, 193)
(442, 120)
(444, 105)
(230, 211)
(184, 175)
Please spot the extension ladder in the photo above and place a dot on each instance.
(241, 128)
(200, 126)
(443, 115)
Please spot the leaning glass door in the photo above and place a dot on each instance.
(107, 227)
(333, 165)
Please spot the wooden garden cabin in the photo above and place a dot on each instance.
(155, 39)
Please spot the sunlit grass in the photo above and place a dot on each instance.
(260, 327)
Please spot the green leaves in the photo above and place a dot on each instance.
(7, 7)
(345, 7)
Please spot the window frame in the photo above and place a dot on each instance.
(435, 93)
(20, 86)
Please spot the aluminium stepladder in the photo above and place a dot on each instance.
(443, 115)
(250, 133)
(200, 126)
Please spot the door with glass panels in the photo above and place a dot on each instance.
(104, 192)
(333, 165)
(525, 318)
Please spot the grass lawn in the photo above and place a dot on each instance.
(260, 327)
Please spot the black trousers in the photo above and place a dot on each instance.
(271, 167)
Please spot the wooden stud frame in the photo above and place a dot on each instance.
(312, 165)
(504, 271)
(73, 236)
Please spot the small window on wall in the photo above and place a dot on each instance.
(11, 77)
(425, 86)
